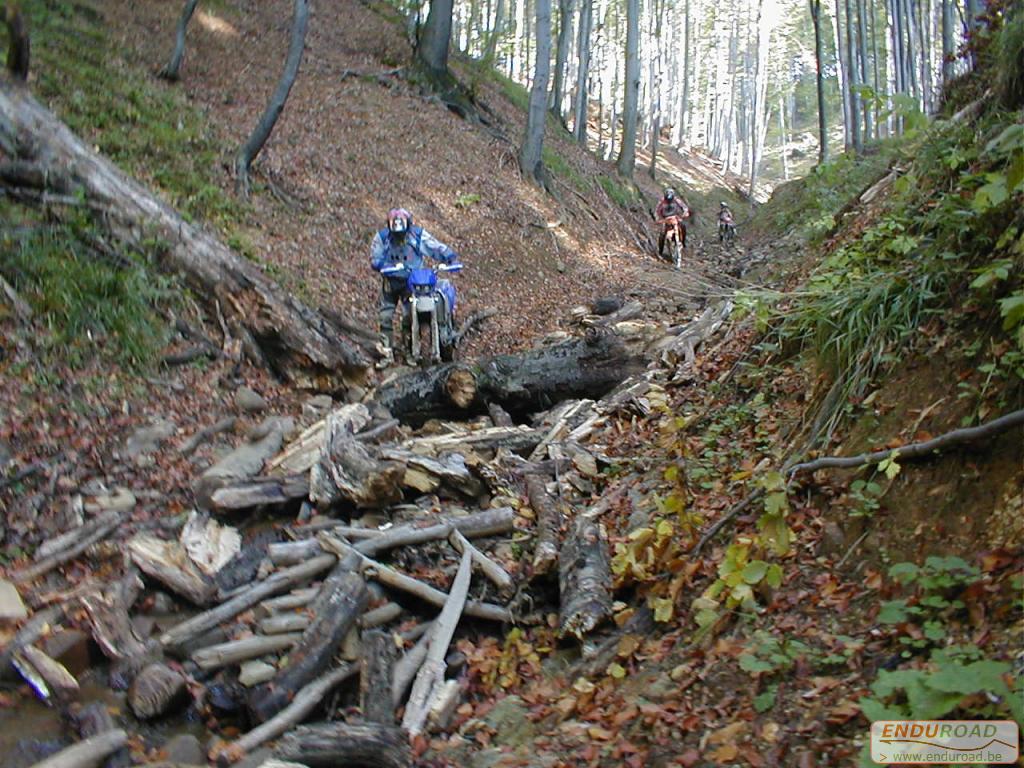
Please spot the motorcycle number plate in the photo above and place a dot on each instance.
(424, 303)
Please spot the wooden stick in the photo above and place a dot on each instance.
(297, 599)
(61, 683)
(392, 578)
(431, 675)
(549, 524)
(489, 522)
(75, 535)
(33, 629)
(285, 622)
(491, 569)
(917, 450)
(47, 565)
(406, 667)
(88, 753)
(225, 654)
(278, 582)
(379, 616)
(305, 701)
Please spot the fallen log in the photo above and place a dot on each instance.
(88, 753)
(169, 563)
(426, 474)
(378, 656)
(51, 678)
(515, 438)
(342, 599)
(305, 701)
(521, 383)
(75, 536)
(112, 628)
(549, 525)
(175, 638)
(303, 452)
(236, 651)
(326, 745)
(347, 470)
(298, 343)
(584, 579)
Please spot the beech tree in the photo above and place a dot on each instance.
(531, 153)
(627, 151)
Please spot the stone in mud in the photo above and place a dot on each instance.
(11, 607)
(283, 424)
(245, 461)
(249, 400)
(155, 691)
(184, 749)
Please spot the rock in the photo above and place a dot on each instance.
(315, 408)
(283, 424)
(121, 500)
(147, 439)
(560, 266)
(71, 648)
(355, 394)
(11, 607)
(185, 749)
(156, 690)
(161, 603)
(143, 626)
(249, 401)
(510, 717)
(255, 672)
(255, 759)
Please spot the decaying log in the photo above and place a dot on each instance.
(378, 656)
(169, 563)
(560, 425)
(392, 578)
(524, 382)
(681, 348)
(299, 343)
(156, 690)
(305, 701)
(326, 745)
(445, 703)
(342, 599)
(176, 637)
(260, 492)
(112, 628)
(48, 564)
(549, 525)
(235, 651)
(490, 568)
(584, 579)
(347, 470)
(51, 678)
(88, 753)
(430, 677)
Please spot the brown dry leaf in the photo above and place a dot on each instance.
(724, 754)
(729, 733)
(602, 734)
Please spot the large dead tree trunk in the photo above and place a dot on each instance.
(529, 381)
(261, 132)
(584, 579)
(297, 342)
(326, 745)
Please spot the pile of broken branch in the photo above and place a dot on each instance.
(291, 615)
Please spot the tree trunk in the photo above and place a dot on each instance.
(172, 70)
(497, 31)
(566, 10)
(862, 48)
(327, 745)
(298, 343)
(820, 82)
(627, 151)
(18, 43)
(521, 383)
(342, 599)
(684, 104)
(583, 72)
(853, 99)
(435, 38)
(260, 134)
(531, 161)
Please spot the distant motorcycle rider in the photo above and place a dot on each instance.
(402, 243)
(671, 205)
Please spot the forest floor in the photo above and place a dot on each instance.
(777, 686)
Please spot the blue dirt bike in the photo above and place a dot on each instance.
(428, 307)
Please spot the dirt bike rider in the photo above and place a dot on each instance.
(402, 243)
(669, 206)
(725, 214)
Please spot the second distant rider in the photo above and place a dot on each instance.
(402, 244)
